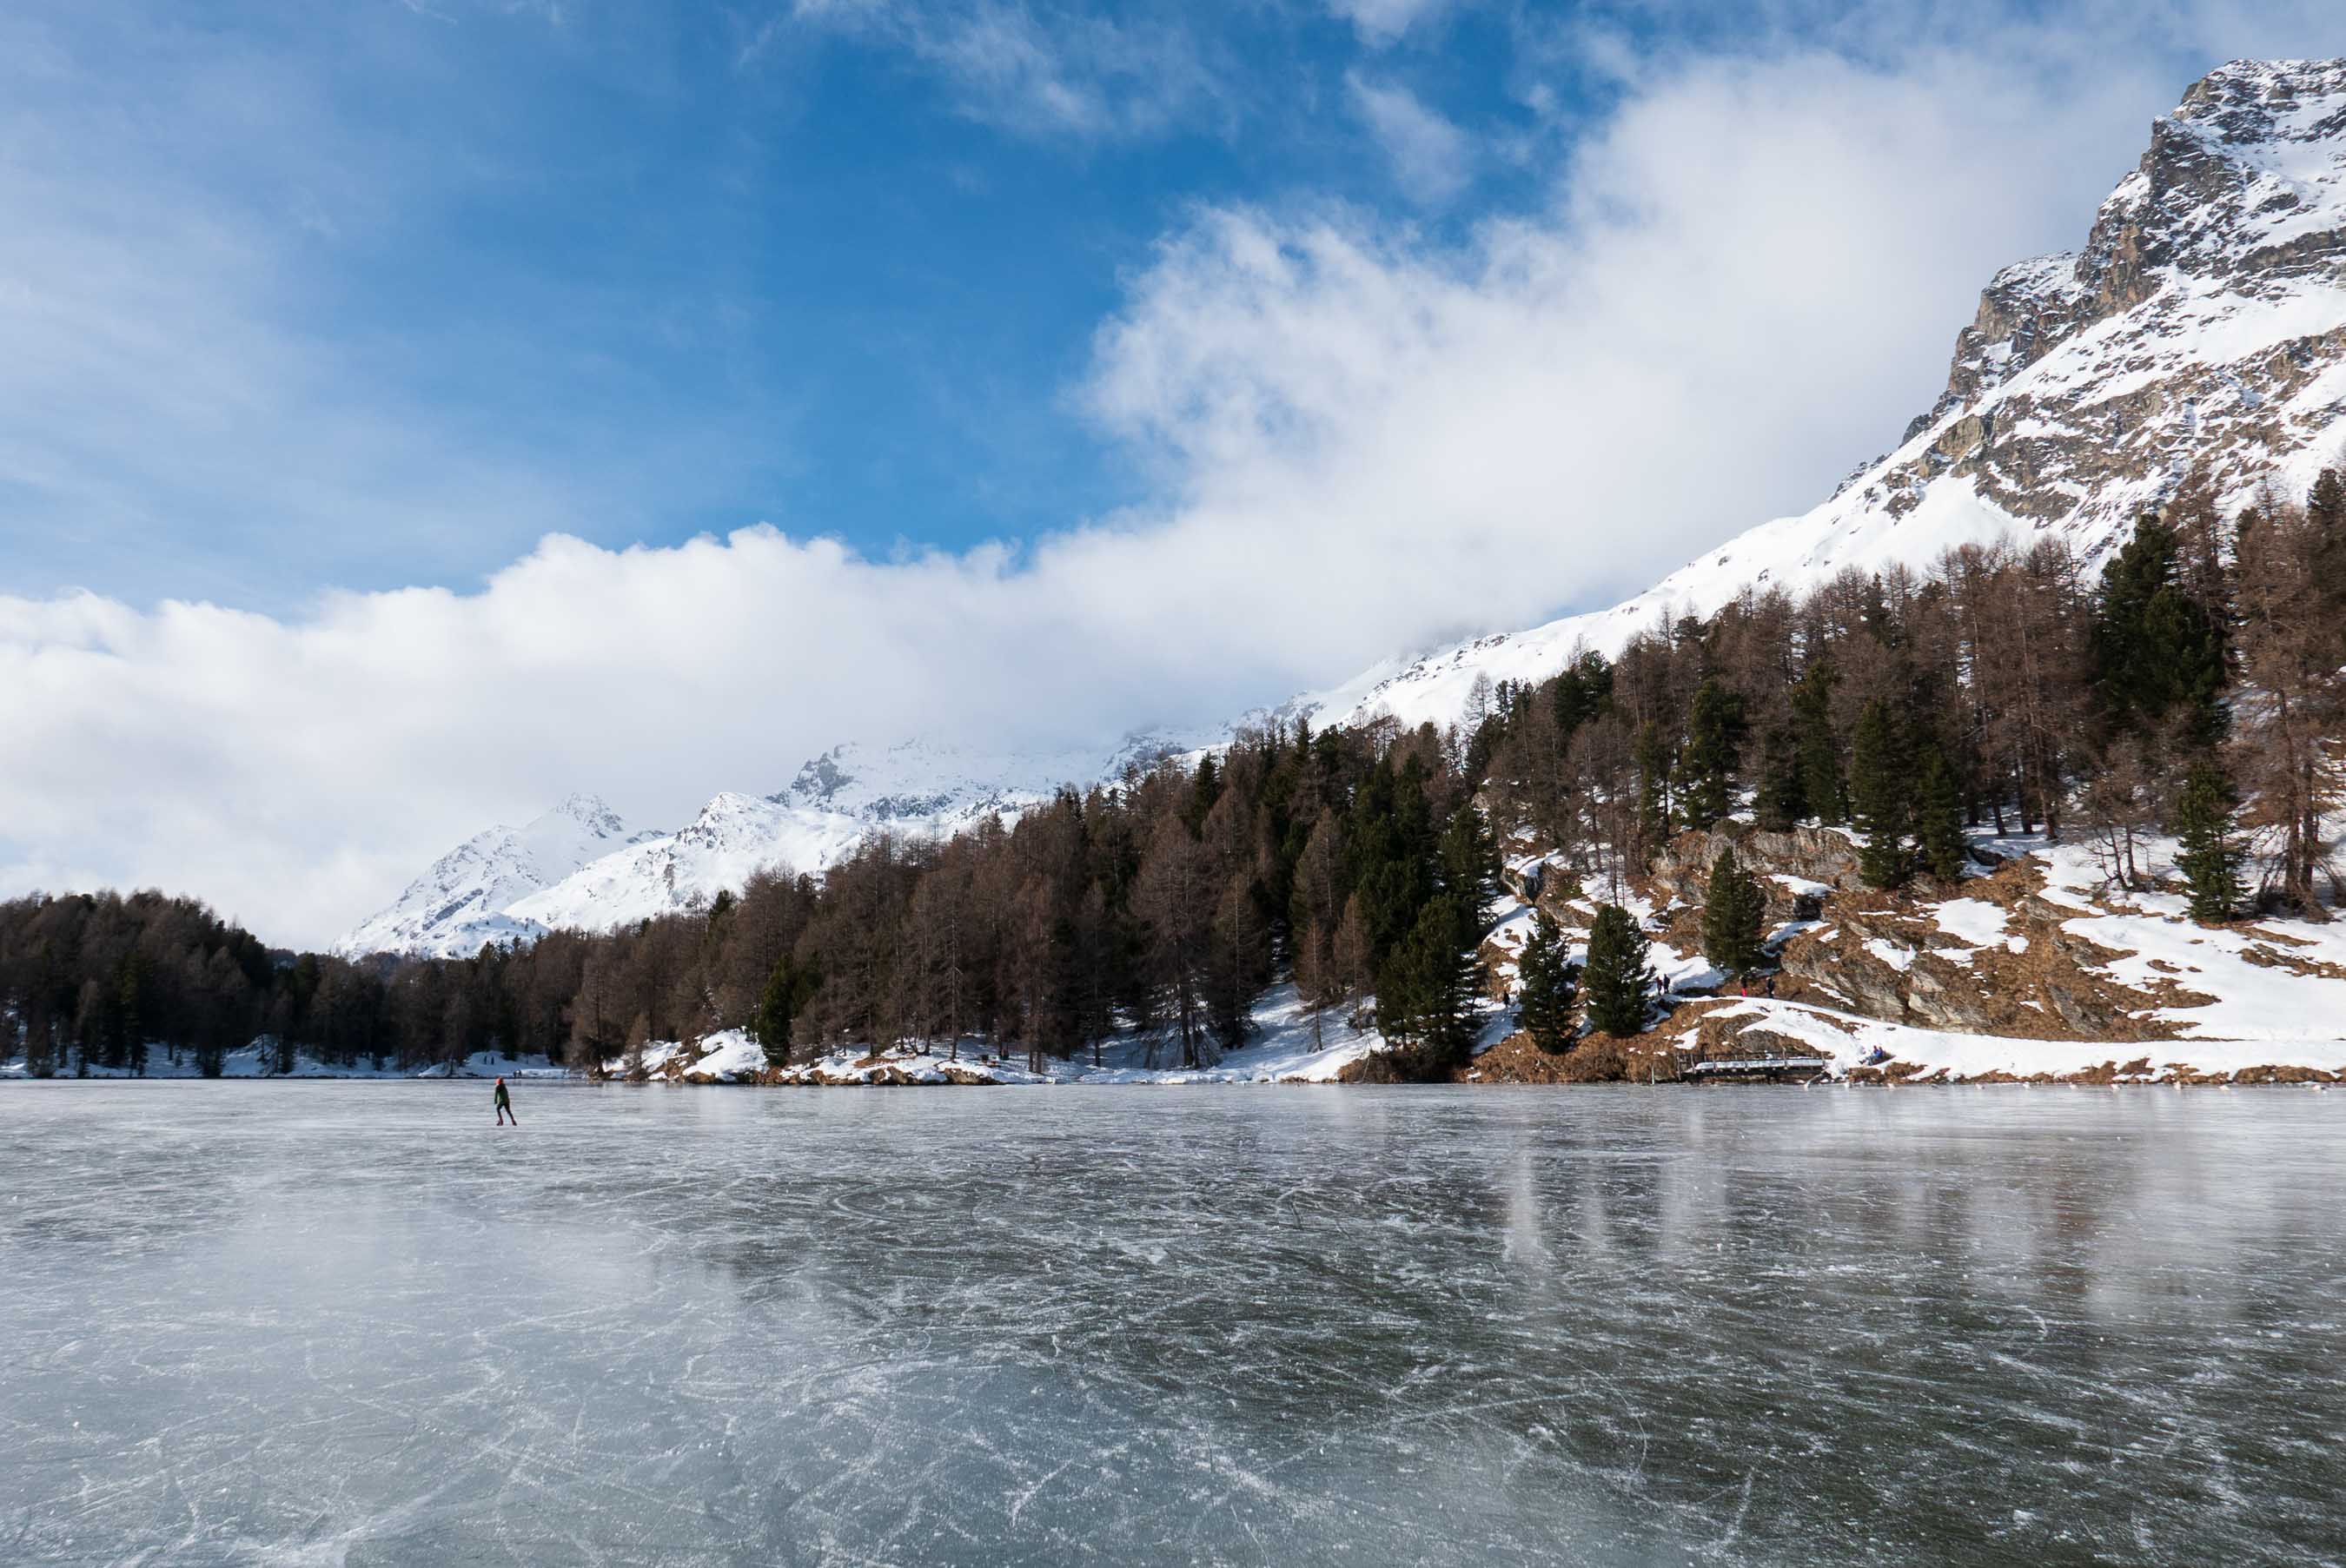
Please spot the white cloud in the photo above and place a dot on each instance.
(1381, 21)
(1432, 158)
(1038, 72)
(1746, 280)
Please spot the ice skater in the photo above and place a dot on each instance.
(505, 1105)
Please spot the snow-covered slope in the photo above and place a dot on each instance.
(2203, 323)
(734, 837)
(512, 884)
(464, 898)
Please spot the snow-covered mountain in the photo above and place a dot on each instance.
(464, 898)
(734, 837)
(2203, 323)
(510, 884)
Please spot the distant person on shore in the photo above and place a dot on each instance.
(505, 1105)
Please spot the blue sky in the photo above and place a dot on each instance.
(638, 271)
(414, 411)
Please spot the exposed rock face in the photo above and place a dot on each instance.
(1817, 855)
(2233, 223)
(2202, 326)
(1885, 957)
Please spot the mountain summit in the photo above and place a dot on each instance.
(2199, 336)
(579, 866)
(460, 901)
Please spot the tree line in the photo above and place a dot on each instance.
(2196, 686)
(2193, 686)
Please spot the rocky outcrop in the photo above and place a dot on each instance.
(1884, 956)
(2238, 202)
(2201, 328)
(1824, 856)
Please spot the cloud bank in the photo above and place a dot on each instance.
(1737, 285)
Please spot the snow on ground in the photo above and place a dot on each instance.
(1801, 887)
(974, 1064)
(1282, 1050)
(2261, 980)
(728, 1057)
(1897, 956)
(1680, 974)
(1975, 923)
(1848, 1039)
(1283, 1047)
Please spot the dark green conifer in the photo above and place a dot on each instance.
(1205, 789)
(1470, 867)
(1781, 799)
(1733, 912)
(1713, 752)
(1544, 991)
(787, 990)
(1654, 766)
(1882, 794)
(1822, 786)
(2157, 652)
(1426, 997)
(1939, 818)
(1582, 692)
(1616, 986)
(2210, 858)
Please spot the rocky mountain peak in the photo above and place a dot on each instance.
(820, 779)
(2242, 187)
(2200, 325)
(2241, 183)
(589, 811)
(2197, 339)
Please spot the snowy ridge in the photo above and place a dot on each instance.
(733, 839)
(463, 900)
(578, 868)
(2204, 323)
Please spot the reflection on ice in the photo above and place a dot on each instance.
(350, 1323)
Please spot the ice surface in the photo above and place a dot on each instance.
(353, 1323)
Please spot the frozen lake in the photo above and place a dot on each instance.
(353, 1323)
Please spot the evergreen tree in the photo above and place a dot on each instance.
(1939, 818)
(1543, 989)
(1470, 867)
(1654, 766)
(1583, 691)
(1782, 799)
(1205, 789)
(1733, 912)
(1713, 752)
(2210, 858)
(2325, 518)
(1822, 789)
(2156, 650)
(1881, 793)
(1426, 997)
(1616, 983)
(1392, 854)
(787, 987)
